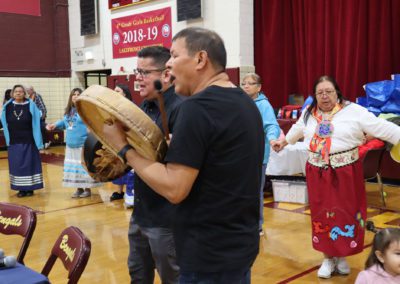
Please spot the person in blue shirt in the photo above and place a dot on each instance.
(251, 84)
(74, 174)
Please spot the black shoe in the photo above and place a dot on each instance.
(21, 194)
(29, 193)
(116, 196)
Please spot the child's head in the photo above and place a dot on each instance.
(71, 100)
(386, 251)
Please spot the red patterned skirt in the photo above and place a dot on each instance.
(338, 208)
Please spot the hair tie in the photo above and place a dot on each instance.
(371, 227)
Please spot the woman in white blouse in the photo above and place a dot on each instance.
(334, 173)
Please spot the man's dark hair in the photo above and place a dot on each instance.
(159, 54)
(198, 39)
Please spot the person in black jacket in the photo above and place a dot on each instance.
(150, 236)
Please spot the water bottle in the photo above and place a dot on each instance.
(279, 115)
(294, 114)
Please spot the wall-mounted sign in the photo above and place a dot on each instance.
(114, 4)
(132, 33)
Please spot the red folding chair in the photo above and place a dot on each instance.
(22, 221)
(73, 249)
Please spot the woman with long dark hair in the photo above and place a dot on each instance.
(7, 96)
(20, 119)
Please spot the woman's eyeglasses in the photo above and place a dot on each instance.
(327, 92)
(144, 72)
(249, 83)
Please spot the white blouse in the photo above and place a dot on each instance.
(349, 124)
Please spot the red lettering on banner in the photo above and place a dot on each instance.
(26, 7)
(132, 33)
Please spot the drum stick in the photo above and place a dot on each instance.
(160, 99)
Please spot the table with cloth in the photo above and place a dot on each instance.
(290, 161)
(21, 274)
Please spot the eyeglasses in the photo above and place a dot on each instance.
(327, 92)
(249, 83)
(144, 73)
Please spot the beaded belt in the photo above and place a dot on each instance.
(336, 160)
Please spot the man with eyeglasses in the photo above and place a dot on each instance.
(150, 234)
(213, 164)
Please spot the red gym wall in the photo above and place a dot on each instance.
(36, 46)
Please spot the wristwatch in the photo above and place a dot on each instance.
(122, 152)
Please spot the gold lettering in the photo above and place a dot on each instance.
(13, 222)
(154, 19)
(129, 49)
(126, 25)
(137, 22)
(136, 48)
(70, 254)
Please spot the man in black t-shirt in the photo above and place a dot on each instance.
(213, 168)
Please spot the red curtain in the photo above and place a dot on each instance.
(296, 41)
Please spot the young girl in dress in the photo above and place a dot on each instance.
(74, 174)
(383, 263)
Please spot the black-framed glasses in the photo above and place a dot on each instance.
(249, 83)
(144, 72)
(328, 92)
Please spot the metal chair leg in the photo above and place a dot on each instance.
(380, 184)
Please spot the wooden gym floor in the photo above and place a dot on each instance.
(286, 255)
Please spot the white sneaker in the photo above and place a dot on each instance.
(327, 267)
(129, 200)
(78, 192)
(86, 193)
(342, 267)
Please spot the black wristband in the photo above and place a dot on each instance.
(122, 152)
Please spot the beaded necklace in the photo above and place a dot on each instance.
(321, 141)
(71, 118)
(20, 113)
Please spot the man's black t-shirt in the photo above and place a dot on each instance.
(218, 131)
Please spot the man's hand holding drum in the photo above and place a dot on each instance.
(115, 134)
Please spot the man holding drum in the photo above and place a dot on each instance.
(213, 164)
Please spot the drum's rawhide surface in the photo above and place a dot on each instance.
(98, 104)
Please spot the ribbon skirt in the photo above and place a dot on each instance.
(25, 167)
(338, 208)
